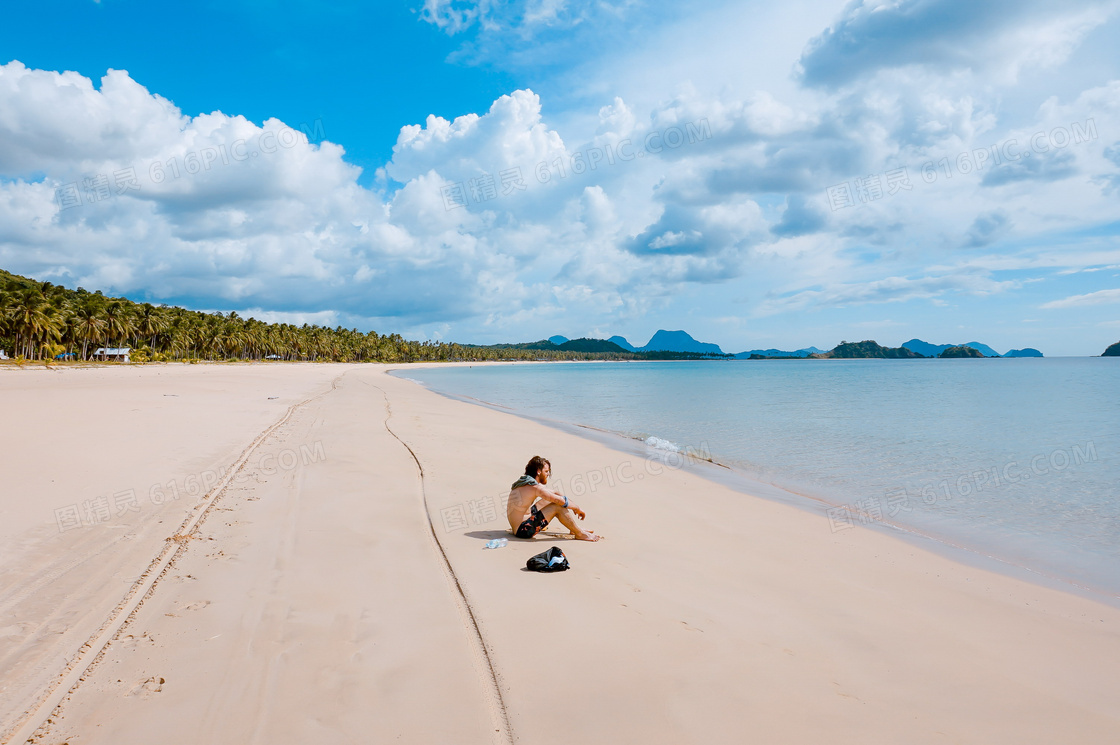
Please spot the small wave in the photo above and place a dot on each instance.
(659, 444)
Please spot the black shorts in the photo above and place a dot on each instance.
(535, 523)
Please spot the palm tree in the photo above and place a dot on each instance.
(51, 332)
(30, 317)
(178, 332)
(118, 321)
(6, 326)
(88, 322)
(210, 339)
(149, 322)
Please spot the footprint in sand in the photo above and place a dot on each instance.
(147, 687)
(128, 641)
(197, 606)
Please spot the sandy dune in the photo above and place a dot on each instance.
(331, 594)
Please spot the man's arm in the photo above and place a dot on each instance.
(559, 499)
(548, 495)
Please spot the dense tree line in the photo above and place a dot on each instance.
(39, 320)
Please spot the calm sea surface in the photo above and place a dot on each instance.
(1018, 459)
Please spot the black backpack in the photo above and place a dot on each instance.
(552, 560)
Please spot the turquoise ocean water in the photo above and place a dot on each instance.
(1016, 459)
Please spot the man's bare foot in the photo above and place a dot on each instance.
(586, 535)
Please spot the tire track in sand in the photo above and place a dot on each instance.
(498, 712)
(39, 713)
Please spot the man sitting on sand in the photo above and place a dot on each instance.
(531, 505)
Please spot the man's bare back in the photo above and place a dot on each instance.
(531, 506)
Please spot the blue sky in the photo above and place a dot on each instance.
(363, 68)
(757, 174)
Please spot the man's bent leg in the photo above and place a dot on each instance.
(569, 520)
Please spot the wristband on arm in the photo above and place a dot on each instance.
(565, 503)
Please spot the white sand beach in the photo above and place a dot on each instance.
(333, 587)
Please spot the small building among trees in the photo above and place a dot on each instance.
(112, 354)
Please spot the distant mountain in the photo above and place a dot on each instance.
(1112, 351)
(594, 346)
(984, 348)
(1025, 352)
(962, 351)
(778, 353)
(589, 345)
(678, 341)
(926, 349)
(847, 350)
(558, 340)
(621, 341)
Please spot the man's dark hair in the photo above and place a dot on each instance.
(534, 466)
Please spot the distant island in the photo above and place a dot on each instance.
(682, 342)
(778, 354)
(662, 341)
(934, 350)
(873, 350)
(1112, 351)
(961, 351)
(866, 350)
(610, 349)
